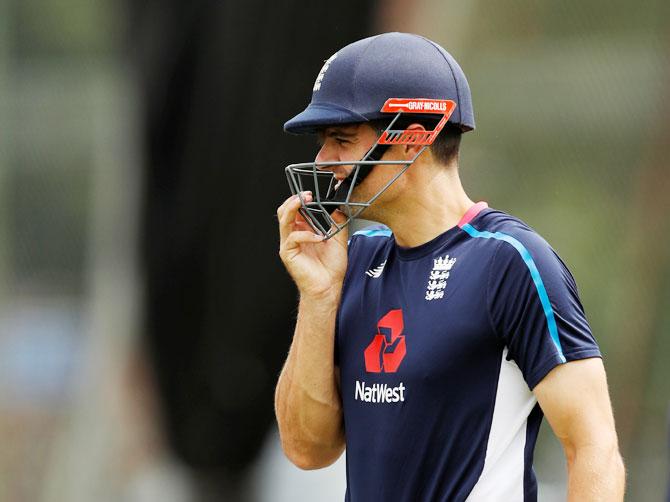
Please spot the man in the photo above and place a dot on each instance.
(432, 346)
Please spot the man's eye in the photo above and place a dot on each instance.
(341, 141)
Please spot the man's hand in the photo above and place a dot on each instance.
(317, 266)
(575, 400)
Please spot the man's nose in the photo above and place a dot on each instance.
(327, 154)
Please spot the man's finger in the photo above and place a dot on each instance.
(301, 224)
(294, 239)
(282, 207)
(287, 216)
(287, 213)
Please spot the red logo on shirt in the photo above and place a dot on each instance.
(387, 349)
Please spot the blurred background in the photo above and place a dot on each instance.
(144, 314)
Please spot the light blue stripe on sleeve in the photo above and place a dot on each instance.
(374, 232)
(535, 275)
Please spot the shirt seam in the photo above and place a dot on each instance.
(488, 287)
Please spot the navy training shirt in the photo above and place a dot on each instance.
(439, 347)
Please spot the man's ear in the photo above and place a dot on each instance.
(412, 150)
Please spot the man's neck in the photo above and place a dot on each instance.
(426, 213)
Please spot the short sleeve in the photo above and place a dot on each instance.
(535, 308)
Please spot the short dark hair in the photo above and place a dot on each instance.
(445, 147)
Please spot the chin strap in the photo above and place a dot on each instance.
(340, 195)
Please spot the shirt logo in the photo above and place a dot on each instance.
(322, 73)
(387, 349)
(379, 393)
(437, 281)
(377, 271)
